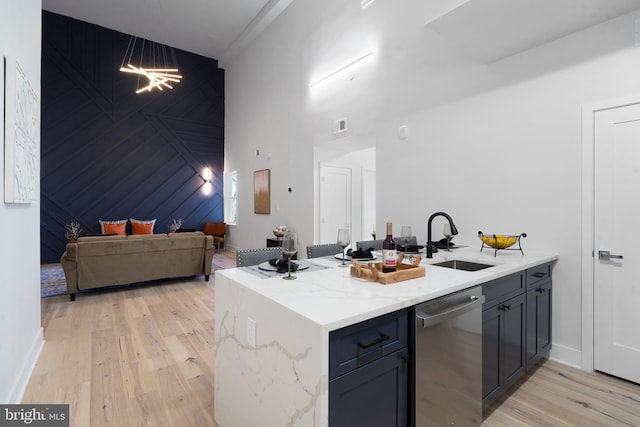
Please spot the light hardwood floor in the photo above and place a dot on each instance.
(143, 356)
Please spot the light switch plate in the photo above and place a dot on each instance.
(403, 132)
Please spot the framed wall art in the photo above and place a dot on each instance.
(21, 136)
(262, 191)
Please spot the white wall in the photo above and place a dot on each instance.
(497, 146)
(20, 330)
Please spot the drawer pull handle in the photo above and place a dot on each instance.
(541, 290)
(504, 307)
(379, 340)
(539, 274)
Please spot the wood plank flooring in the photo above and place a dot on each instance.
(143, 356)
(553, 394)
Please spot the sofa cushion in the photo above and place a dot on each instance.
(142, 226)
(101, 238)
(113, 227)
(146, 236)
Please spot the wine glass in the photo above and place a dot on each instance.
(344, 239)
(289, 249)
(405, 234)
(447, 234)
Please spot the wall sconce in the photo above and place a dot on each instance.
(207, 177)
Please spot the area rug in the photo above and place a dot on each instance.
(52, 281)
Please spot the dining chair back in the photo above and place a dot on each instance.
(404, 241)
(315, 251)
(247, 257)
(366, 244)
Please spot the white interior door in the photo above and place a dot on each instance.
(616, 215)
(368, 203)
(335, 201)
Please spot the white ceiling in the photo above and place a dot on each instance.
(487, 30)
(490, 30)
(212, 28)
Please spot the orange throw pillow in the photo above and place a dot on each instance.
(142, 227)
(114, 227)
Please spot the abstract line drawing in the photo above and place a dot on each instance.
(21, 139)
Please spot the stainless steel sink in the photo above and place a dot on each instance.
(458, 264)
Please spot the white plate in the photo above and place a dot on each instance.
(302, 264)
(348, 258)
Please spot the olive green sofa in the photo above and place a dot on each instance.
(99, 261)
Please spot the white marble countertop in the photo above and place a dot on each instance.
(332, 298)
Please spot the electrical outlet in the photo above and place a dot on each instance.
(251, 332)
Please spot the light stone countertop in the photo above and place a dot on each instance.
(332, 298)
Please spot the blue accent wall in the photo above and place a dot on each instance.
(107, 153)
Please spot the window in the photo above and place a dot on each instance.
(231, 198)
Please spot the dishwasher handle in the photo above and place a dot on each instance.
(435, 319)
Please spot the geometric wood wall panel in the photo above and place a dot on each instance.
(107, 153)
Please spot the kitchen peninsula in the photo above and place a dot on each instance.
(272, 335)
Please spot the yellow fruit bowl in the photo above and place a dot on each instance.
(501, 241)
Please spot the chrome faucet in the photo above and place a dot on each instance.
(430, 244)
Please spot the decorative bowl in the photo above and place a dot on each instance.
(280, 231)
(499, 241)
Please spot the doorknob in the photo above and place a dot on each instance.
(607, 256)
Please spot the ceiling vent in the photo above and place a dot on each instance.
(339, 125)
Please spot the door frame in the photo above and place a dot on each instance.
(588, 220)
(322, 165)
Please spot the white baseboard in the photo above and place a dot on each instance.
(30, 360)
(566, 355)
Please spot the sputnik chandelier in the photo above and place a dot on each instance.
(153, 61)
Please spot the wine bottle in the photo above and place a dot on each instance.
(389, 258)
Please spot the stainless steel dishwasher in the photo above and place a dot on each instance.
(448, 360)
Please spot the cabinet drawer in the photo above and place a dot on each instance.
(538, 273)
(500, 289)
(364, 342)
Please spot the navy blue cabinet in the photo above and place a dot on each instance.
(372, 395)
(369, 373)
(539, 303)
(503, 347)
(516, 328)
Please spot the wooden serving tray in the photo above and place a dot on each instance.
(373, 271)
